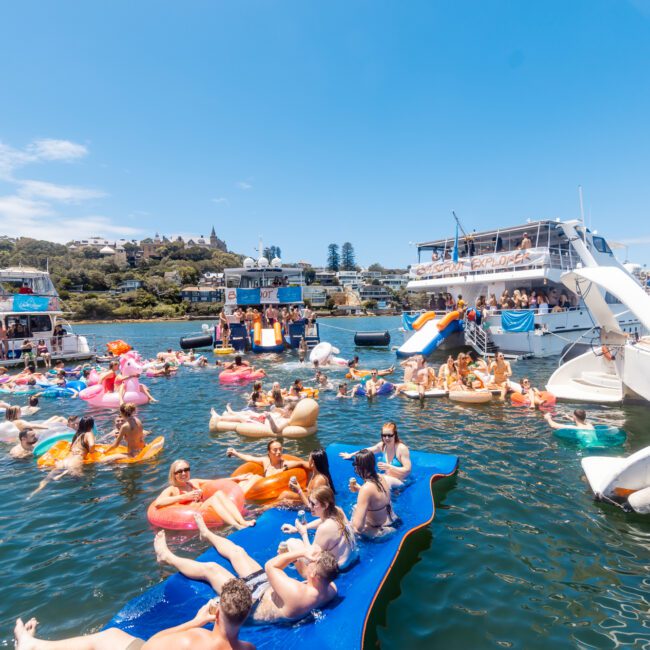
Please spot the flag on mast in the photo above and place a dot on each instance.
(454, 254)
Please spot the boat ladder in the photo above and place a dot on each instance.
(478, 339)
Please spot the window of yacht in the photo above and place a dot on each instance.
(601, 245)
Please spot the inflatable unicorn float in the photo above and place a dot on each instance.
(130, 370)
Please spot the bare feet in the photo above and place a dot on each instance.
(161, 548)
(200, 525)
(24, 634)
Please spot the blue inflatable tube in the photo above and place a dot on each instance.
(385, 389)
(600, 437)
(342, 624)
(59, 391)
(44, 445)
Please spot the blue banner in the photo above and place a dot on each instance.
(520, 320)
(27, 302)
(248, 296)
(289, 294)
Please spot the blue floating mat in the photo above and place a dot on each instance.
(342, 624)
(600, 437)
(385, 389)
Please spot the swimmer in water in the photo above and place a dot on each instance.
(578, 418)
(27, 440)
(131, 431)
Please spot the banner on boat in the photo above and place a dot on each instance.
(27, 302)
(482, 263)
(264, 296)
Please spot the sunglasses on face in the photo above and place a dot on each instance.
(387, 435)
(182, 470)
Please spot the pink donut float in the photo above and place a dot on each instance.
(237, 376)
(181, 516)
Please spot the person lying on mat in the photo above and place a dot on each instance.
(395, 458)
(578, 418)
(227, 613)
(373, 514)
(276, 596)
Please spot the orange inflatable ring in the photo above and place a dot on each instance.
(118, 347)
(61, 449)
(309, 392)
(180, 516)
(270, 487)
(521, 400)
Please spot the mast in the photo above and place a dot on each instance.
(582, 215)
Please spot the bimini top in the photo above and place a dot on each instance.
(342, 625)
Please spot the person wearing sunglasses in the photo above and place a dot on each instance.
(501, 371)
(394, 456)
(333, 531)
(373, 383)
(532, 394)
(184, 489)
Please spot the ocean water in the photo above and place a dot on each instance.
(518, 556)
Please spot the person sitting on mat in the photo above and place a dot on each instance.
(227, 613)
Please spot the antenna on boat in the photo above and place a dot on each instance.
(582, 214)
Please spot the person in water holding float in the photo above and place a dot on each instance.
(184, 489)
(394, 456)
(276, 596)
(318, 470)
(373, 514)
(578, 418)
(374, 383)
(227, 614)
(333, 531)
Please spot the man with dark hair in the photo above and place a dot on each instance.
(276, 596)
(27, 440)
(228, 613)
(579, 419)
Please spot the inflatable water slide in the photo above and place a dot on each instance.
(428, 332)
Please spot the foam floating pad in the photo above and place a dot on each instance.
(342, 624)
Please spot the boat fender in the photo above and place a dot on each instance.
(374, 339)
(196, 341)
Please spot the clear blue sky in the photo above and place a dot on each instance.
(310, 122)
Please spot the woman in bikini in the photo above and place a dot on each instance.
(318, 469)
(373, 514)
(273, 463)
(333, 530)
(447, 374)
(394, 456)
(501, 370)
(183, 489)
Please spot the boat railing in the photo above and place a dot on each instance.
(69, 343)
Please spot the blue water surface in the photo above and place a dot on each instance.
(519, 555)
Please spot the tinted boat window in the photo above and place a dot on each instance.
(39, 324)
(601, 245)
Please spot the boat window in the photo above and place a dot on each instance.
(610, 299)
(40, 323)
(17, 327)
(601, 245)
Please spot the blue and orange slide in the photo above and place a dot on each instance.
(342, 624)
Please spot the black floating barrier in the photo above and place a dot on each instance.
(372, 339)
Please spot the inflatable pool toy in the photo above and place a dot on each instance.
(118, 347)
(154, 373)
(385, 389)
(9, 432)
(521, 400)
(130, 369)
(270, 487)
(322, 353)
(434, 392)
(625, 481)
(226, 350)
(59, 391)
(361, 374)
(600, 437)
(344, 624)
(61, 449)
(76, 384)
(268, 339)
(470, 396)
(180, 516)
(309, 392)
(235, 376)
(303, 422)
(45, 443)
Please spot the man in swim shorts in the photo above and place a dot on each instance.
(228, 615)
(276, 596)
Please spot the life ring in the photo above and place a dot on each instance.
(548, 399)
(226, 350)
(61, 449)
(180, 516)
(322, 352)
(270, 487)
(470, 396)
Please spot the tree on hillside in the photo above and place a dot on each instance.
(333, 259)
(347, 257)
(272, 251)
(309, 275)
(376, 267)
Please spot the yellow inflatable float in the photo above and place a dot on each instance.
(61, 449)
(303, 422)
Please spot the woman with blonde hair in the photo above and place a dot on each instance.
(183, 489)
(333, 531)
